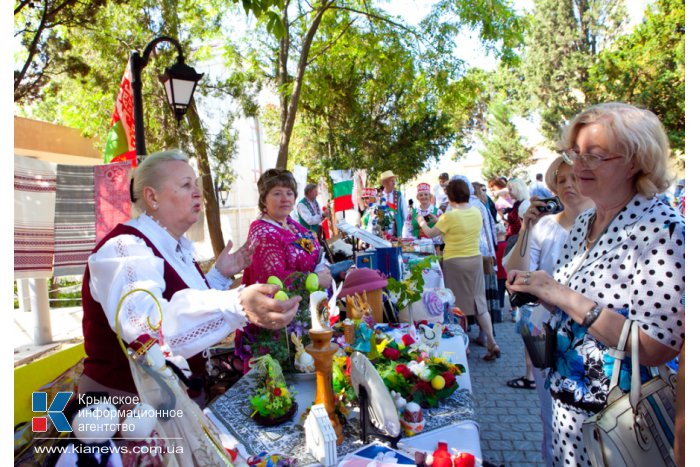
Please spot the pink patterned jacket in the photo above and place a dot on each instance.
(280, 252)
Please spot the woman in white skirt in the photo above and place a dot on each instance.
(538, 246)
(462, 262)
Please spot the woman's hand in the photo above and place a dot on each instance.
(263, 310)
(532, 215)
(324, 278)
(538, 283)
(229, 263)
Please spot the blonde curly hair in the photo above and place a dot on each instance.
(635, 134)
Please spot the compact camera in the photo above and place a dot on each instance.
(552, 205)
(519, 299)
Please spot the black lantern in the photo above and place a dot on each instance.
(179, 81)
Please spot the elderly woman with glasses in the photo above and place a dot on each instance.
(283, 245)
(624, 259)
(152, 252)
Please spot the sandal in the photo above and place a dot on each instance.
(494, 353)
(521, 383)
(481, 341)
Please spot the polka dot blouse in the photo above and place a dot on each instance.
(637, 268)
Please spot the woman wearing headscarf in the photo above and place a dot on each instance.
(430, 212)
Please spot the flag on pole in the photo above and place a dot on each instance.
(342, 190)
(121, 140)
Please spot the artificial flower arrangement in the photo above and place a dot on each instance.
(253, 340)
(273, 402)
(305, 242)
(402, 293)
(406, 367)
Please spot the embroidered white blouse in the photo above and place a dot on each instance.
(194, 318)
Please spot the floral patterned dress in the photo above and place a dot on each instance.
(280, 251)
(636, 268)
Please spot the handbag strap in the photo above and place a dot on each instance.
(636, 384)
(619, 353)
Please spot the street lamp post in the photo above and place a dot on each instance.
(180, 81)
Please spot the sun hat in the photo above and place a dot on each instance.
(362, 280)
(423, 188)
(387, 174)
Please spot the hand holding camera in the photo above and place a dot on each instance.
(551, 205)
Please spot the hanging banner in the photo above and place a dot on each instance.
(121, 139)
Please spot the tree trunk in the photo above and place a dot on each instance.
(291, 111)
(210, 203)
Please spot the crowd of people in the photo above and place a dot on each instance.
(613, 251)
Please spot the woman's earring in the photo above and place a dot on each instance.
(155, 206)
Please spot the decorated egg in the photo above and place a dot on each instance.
(413, 412)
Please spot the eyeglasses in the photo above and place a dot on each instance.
(588, 160)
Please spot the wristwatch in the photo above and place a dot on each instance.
(592, 316)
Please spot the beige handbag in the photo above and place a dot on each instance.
(634, 429)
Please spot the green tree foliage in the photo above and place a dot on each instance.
(368, 103)
(503, 150)
(647, 68)
(315, 28)
(562, 41)
(85, 100)
(223, 148)
(45, 52)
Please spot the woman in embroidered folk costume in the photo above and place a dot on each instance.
(624, 259)
(152, 252)
(425, 209)
(283, 245)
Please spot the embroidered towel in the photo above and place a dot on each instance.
(35, 200)
(75, 218)
(112, 200)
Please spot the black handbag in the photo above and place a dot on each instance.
(541, 347)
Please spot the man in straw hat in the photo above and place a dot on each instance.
(395, 202)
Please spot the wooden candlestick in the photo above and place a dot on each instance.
(322, 351)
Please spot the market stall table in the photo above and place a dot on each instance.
(453, 420)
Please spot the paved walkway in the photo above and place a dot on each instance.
(509, 419)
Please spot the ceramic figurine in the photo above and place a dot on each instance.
(302, 360)
(363, 337)
(412, 419)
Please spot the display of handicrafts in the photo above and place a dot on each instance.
(406, 366)
(273, 402)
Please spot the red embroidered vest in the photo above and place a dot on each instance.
(105, 361)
